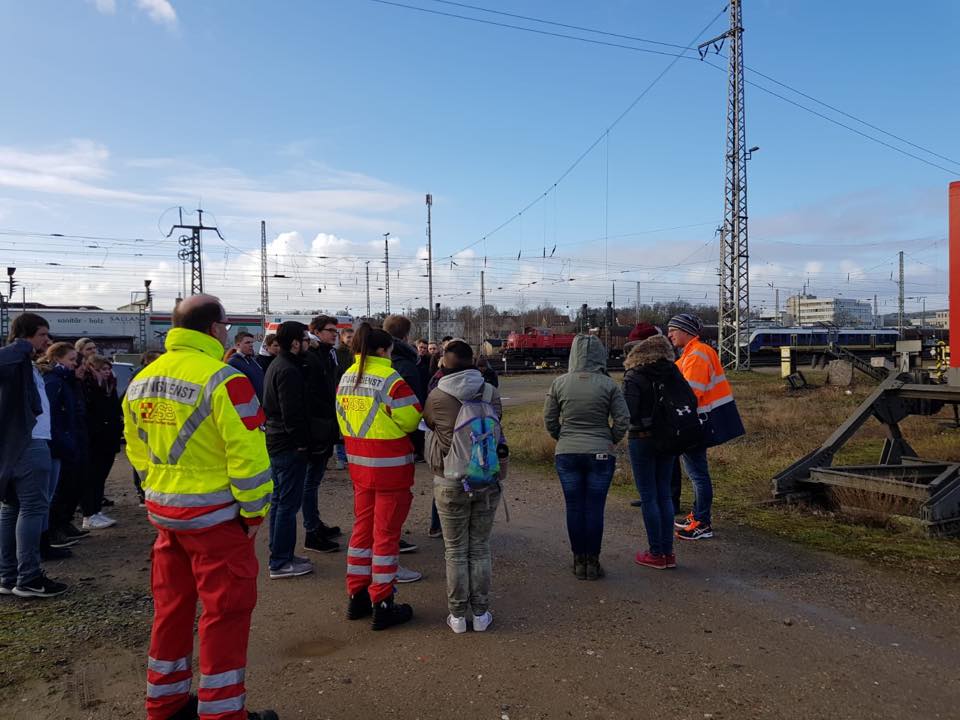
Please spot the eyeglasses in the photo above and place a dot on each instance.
(226, 325)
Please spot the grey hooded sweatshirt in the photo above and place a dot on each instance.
(442, 407)
(582, 402)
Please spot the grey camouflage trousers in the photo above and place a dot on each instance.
(466, 520)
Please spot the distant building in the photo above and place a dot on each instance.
(845, 312)
(941, 319)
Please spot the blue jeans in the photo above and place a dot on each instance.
(695, 463)
(22, 513)
(54, 479)
(316, 467)
(341, 452)
(289, 472)
(653, 475)
(585, 480)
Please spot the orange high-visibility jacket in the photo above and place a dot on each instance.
(701, 368)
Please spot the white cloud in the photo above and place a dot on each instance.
(160, 11)
(69, 170)
(107, 7)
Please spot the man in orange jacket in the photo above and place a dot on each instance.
(701, 368)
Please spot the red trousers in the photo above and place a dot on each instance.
(218, 566)
(374, 551)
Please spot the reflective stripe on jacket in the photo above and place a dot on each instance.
(375, 417)
(192, 426)
(700, 366)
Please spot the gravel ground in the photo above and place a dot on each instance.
(747, 627)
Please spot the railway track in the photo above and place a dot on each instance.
(531, 367)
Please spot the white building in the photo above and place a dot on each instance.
(845, 312)
(940, 319)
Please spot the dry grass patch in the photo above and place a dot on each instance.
(782, 426)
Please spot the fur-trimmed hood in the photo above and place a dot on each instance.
(648, 351)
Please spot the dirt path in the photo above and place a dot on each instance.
(747, 627)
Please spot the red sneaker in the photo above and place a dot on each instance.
(671, 560)
(648, 559)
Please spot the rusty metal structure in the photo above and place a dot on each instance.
(931, 486)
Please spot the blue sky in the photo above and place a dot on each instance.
(330, 120)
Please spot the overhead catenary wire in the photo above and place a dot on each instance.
(759, 73)
(573, 166)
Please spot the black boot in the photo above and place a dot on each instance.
(316, 542)
(359, 605)
(580, 566)
(594, 568)
(52, 553)
(329, 531)
(188, 711)
(387, 613)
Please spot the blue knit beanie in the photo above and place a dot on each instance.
(690, 324)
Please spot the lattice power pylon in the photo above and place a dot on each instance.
(734, 305)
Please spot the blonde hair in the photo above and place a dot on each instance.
(98, 362)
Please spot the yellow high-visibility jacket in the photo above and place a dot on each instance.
(375, 416)
(192, 426)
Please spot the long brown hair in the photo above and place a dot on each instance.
(54, 354)
(366, 341)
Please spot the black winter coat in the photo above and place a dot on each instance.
(285, 404)
(19, 405)
(638, 391)
(322, 376)
(67, 415)
(404, 359)
(104, 415)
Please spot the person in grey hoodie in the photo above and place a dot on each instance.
(466, 518)
(577, 414)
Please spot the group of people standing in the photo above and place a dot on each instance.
(674, 404)
(62, 430)
(214, 464)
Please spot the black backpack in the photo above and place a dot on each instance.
(677, 427)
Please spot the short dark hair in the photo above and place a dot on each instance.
(240, 336)
(269, 338)
(199, 318)
(288, 332)
(421, 340)
(461, 351)
(447, 338)
(318, 323)
(397, 325)
(25, 325)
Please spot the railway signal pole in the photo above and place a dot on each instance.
(483, 311)
(900, 299)
(264, 290)
(430, 318)
(191, 250)
(368, 289)
(386, 263)
(734, 305)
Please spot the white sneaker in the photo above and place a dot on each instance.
(458, 625)
(482, 622)
(407, 576)
(107, 518)
(97, 522)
